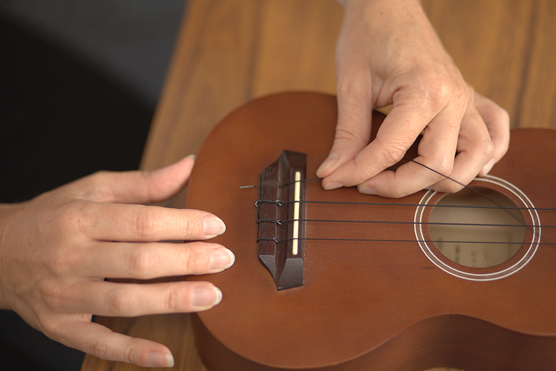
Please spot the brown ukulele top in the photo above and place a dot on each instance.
(359, 296)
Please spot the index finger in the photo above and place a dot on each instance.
(138, 223)
(396, 134)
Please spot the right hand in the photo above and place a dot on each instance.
(389, 54)
(57, 249)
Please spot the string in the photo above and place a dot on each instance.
(479, 193)
(281, 203)
(497, 206)
(280, 222)
(398, 240)
(410, 205)
(466, 187)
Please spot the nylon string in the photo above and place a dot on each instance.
(507, 209)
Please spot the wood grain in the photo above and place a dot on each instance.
(506, 51)
(231, 51)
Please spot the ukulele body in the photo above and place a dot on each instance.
(367, 305)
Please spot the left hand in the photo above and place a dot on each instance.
(56, 250)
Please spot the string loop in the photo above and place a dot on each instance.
(277, 202)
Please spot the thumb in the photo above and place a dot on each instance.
(136, 186)
(353, 129)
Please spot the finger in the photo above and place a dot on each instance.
(353, 129)
(497, 121)
(103, 343)
(138, 186)
(129, 299)
(117, 222)
(153, 260)
(437, 150)
(475, 149)
(409, 116)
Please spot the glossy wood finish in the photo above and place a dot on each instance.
(231, 51)
(373, 300)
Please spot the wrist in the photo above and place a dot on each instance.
(384, 21)
(383, 16)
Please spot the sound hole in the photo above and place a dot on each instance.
(499, 232)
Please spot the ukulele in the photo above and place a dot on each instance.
(337, 280)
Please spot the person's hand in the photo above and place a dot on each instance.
(388, 54)
(57, 249)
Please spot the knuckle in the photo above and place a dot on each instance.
(52, 294)
(99, 188)
(47, 326)
(501, 115)
(393, 153)
(441, 92)
(193, 226)
(129, 355)
(483, 149)
(444, 166)
(99, 178)
(62, 260)
(487, 148)
(141, 263)
(196, 260)
(437, 93)
(66, 215)
(351, 88)
(346, 134)
(103, 350)
(174, 300)
(101, 175)
(120, 302)
(145, 224)
(460, 97)
(61, 231)
(56, 262)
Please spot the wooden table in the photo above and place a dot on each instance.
(231, 51)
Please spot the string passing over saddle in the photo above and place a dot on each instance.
(281, 216)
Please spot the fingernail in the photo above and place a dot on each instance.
(488, 167)
(220, 259)
(368, 190)
(328, 163)
(192, 156)
(213, 226)
(333, 185)
(203, 297)
(157, 359)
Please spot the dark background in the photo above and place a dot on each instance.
(79, 82)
